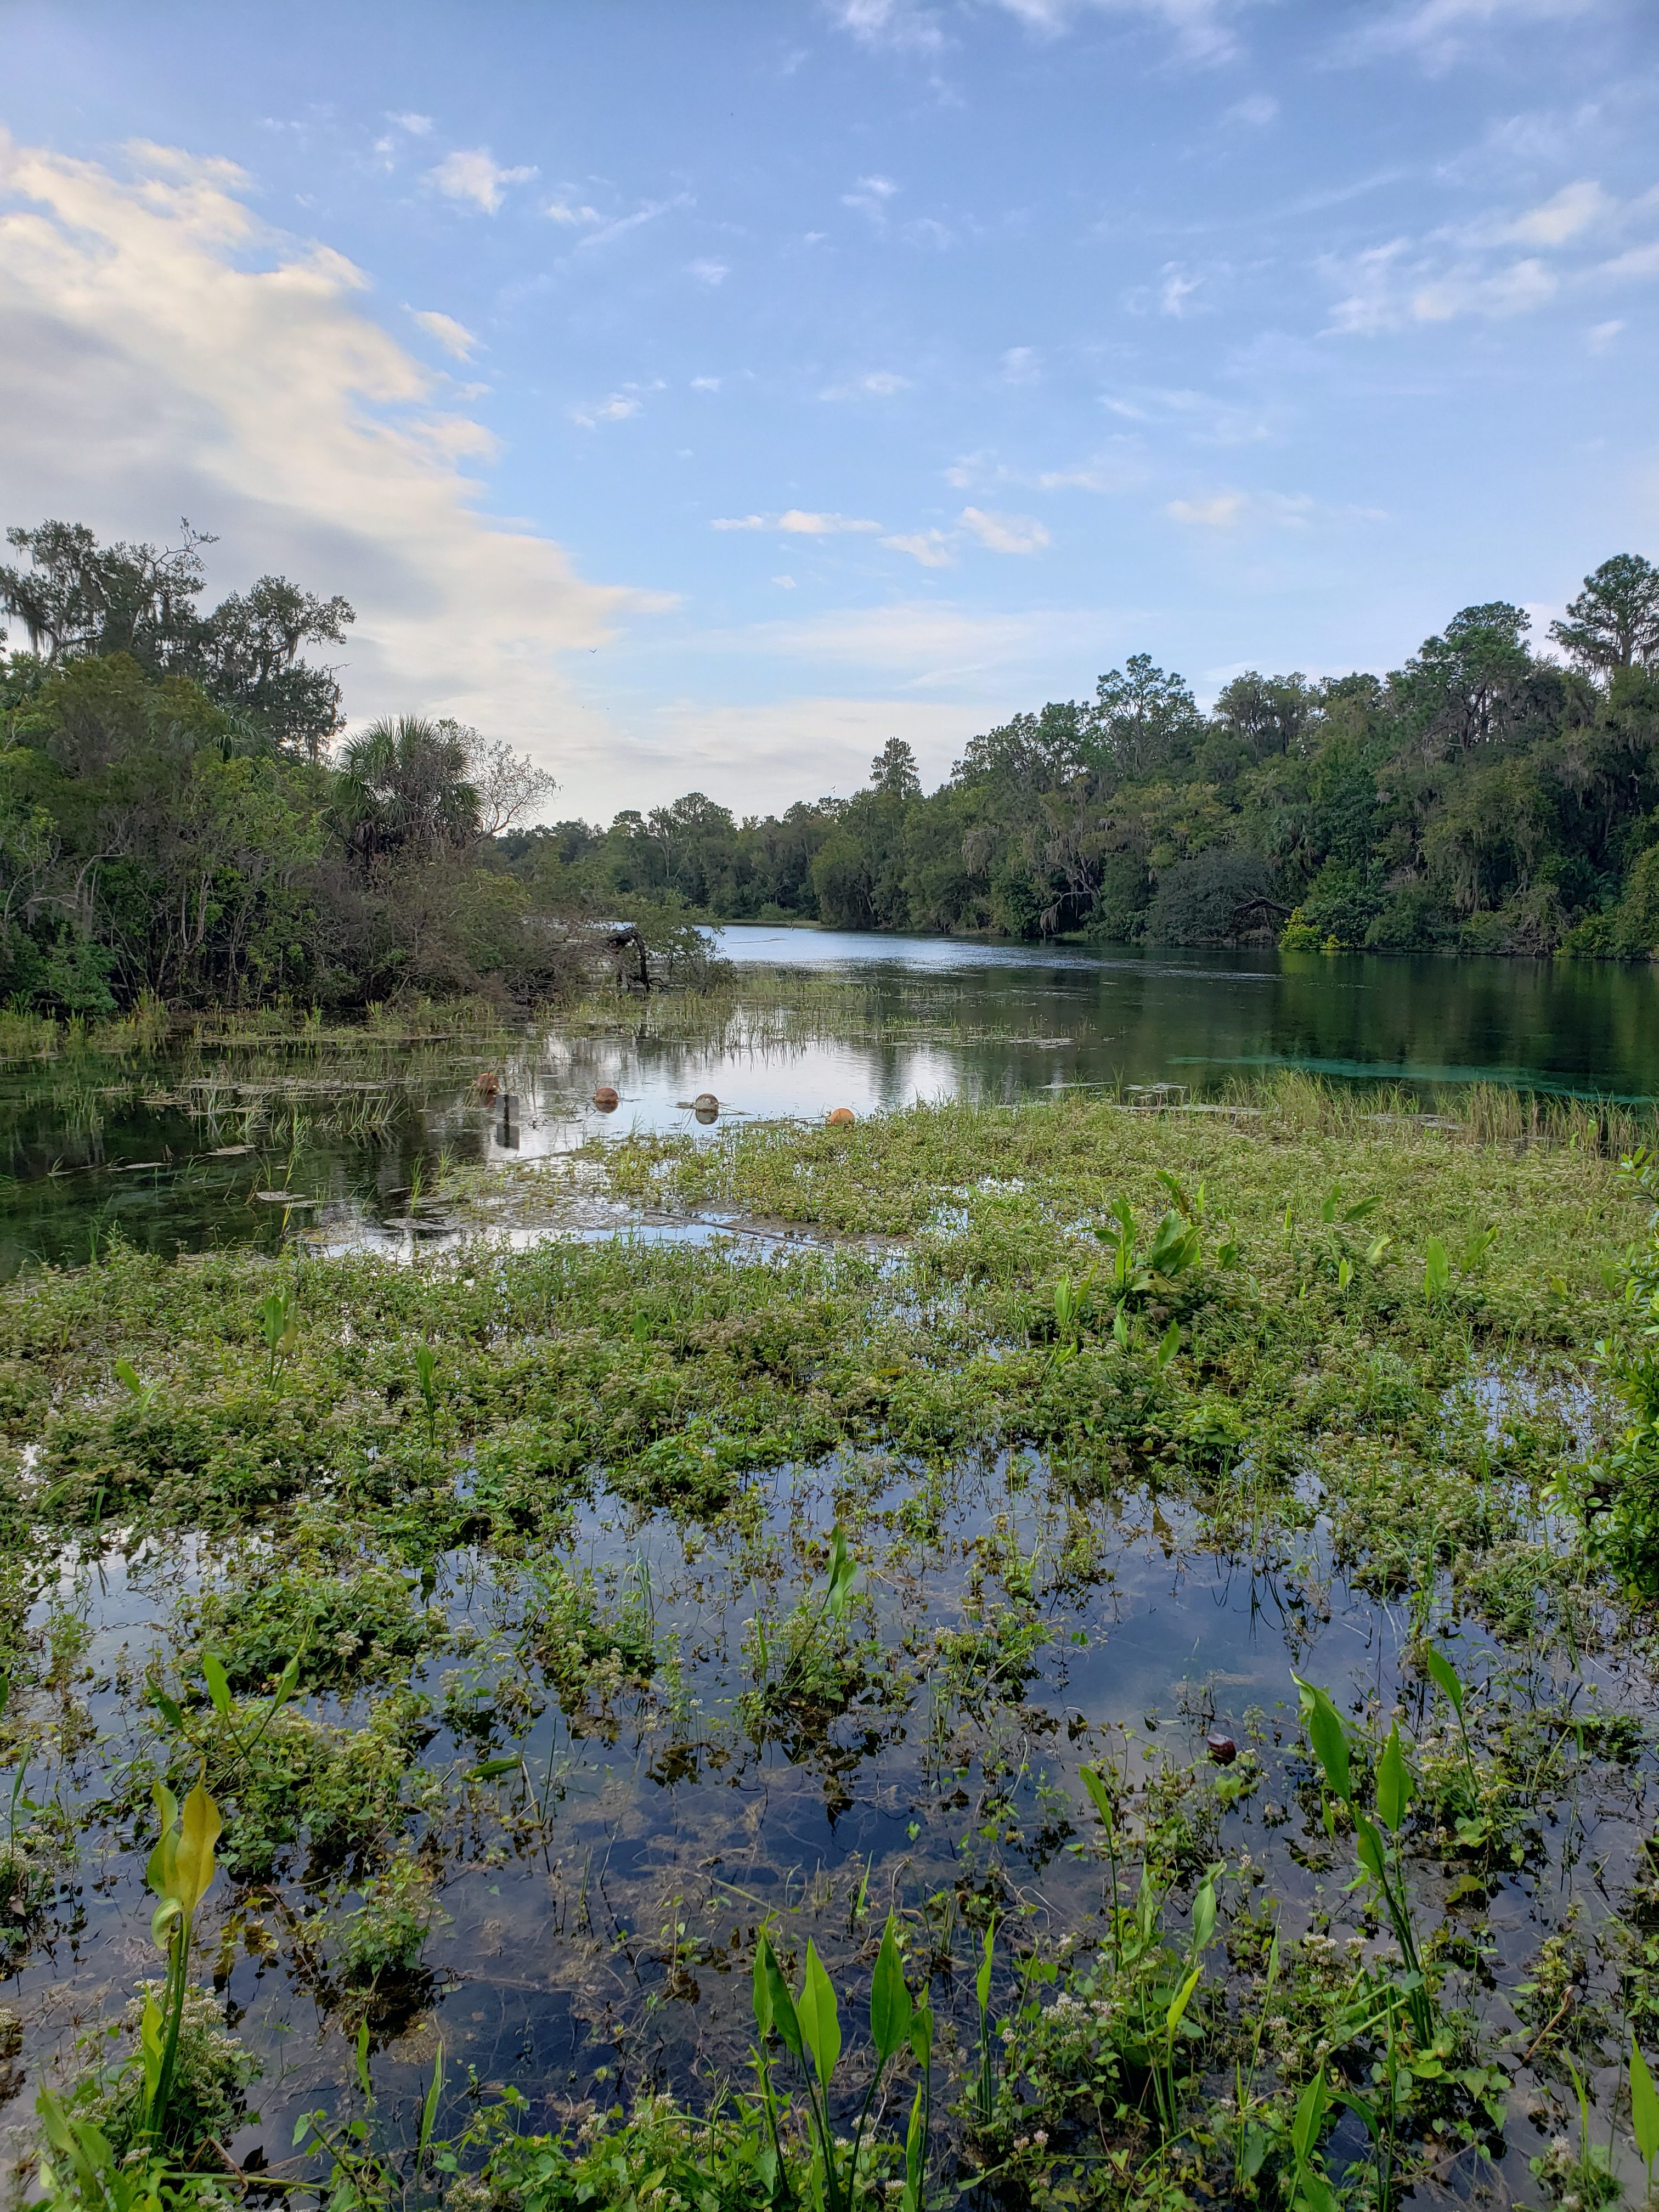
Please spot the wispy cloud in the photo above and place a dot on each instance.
(454, 338)
(562, 211)
(1229, 509)
(475, 176)
(1005, 533)
(417, 126)
(879, 384)
(932, 548)
(618, 408)
(798, 522)
(1257, 111)
(620, 225)
(896, 26)
(1439, 33)
(1574, 208)
(1219, 512)
(708, 272)
(870, 197)
(1200, 27)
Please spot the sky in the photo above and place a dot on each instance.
(698, 393)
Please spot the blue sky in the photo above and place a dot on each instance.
(699, 393)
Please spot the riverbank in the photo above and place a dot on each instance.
(583, 1704)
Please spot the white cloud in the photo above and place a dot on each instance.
(1021, 365)
(707, 272)
(871, 199)
(1005, 533)
(752, 757)
(562, 211)
(1258, 110)
(926, 644)
(705, 384)
(1639, 263)
(1512, 291)
(618, 408)
(897, 25)
(1218, 513)
(454, 338)
(1391, 286)
(1200, 35)
(619, 226)
(1175, 288)
(1103, 473)
(168, 353)
(932, 548)
(1436, 34)
(1571, 209)
(1278, 510)
(798, 522)
(418, 126)
(478, 177)
(1601, 336)
(784, 583)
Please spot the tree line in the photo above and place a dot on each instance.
(179, 817)
(181, 814)
(1484, 797)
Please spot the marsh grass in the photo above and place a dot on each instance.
(394, 1478)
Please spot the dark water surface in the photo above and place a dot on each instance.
(173, 1152)
(1149, 1017)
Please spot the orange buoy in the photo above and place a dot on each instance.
(842, 1118)
(606, 1099)
(487, 1084)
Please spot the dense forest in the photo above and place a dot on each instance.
(180, 814)
(179, 817)
(1480, 799)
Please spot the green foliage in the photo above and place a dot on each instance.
(388, 1928)
(808, 2024)
(1478, 798)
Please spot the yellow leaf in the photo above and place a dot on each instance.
(193, 1857)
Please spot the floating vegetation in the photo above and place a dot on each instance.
(1105, 1662)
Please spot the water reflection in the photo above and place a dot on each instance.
(173, 1158)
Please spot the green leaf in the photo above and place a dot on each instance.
(982, 1979)
(362, 2059)
(1643, 2107)
(169, 1711)
(1181, 1999)
(1169, 1345)
(492, 1768)
(1393, 1783)
(1444, 1675)
(213, 1674)
(1203, 1916)
(1098, 1792)
(1368, 1848)
(780, 2006)
(1310, 2107)
(820, 2022)
(1327, 1735)
(921, 2034)
(915, 2154)
(1359, 1213)
(429, 2108)
(1375, 1248)
(1436, 1269)
(890, 2000)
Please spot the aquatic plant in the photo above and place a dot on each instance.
(808, 2023)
